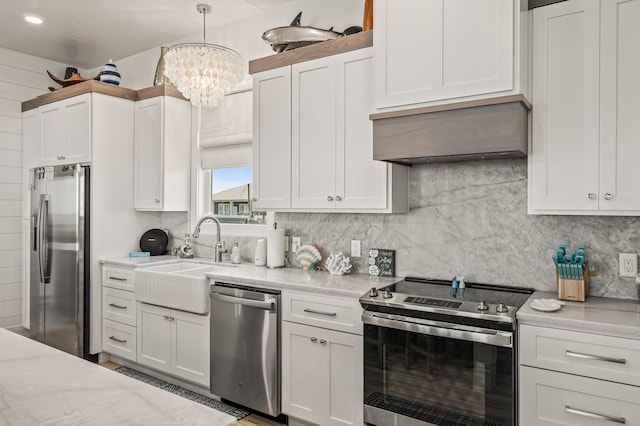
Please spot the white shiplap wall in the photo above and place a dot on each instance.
(22, 77)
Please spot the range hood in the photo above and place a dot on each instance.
(472, 130)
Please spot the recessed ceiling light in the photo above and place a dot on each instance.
(34, 19)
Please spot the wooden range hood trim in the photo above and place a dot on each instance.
(94, 86)
(480, 129)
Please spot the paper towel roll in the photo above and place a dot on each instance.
(275, 248)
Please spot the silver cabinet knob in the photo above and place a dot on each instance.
(254, 199)
(591, 196)
(323, 342)
(607, 196)
(156, 200)
(329, 198)
(338, 198)
(314, 339)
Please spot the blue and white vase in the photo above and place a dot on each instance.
(110, 74)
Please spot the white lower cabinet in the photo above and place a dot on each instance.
(322, 373)
(553, 398)
(569, 377)
(119, 312)
(174, 342)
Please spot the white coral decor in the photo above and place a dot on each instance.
(338, 264)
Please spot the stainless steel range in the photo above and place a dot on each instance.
(441, 353)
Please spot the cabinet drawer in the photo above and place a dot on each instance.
(119, 305)
(603, 357)
(119, 339)
(121, 278)
(320, 311)
(551, 398)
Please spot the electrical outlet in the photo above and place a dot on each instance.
(295, 244)
(355, 248)
(628, 264)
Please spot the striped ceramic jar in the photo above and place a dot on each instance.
(110, 74)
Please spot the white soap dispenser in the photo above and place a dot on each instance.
(235, 253)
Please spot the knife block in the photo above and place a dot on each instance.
(572, 289)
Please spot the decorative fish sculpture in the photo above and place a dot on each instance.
(282, 39)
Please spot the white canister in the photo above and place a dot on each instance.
(261, 252)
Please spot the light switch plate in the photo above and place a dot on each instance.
(295, 244)
(628, 264)
(355, 248)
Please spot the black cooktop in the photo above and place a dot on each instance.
(414, 295)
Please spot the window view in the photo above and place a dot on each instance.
(231, 195)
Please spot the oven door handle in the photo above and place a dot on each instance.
(440, 329)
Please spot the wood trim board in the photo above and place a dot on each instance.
(319, 50)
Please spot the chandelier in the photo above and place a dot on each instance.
(204, 73)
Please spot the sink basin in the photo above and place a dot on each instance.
(181, 285)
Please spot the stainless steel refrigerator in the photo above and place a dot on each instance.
(59, 257)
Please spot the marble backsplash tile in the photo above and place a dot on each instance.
(470, 219)
(467, 218)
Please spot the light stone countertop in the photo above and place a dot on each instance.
(600, 315)
(42, 385)
(320, 282)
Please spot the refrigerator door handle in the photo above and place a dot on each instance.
(43, 244)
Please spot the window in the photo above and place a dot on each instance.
(231, 195)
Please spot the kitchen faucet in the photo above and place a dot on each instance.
(219, 247)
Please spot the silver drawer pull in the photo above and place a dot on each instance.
(117, 279)
(596, 357)
(117, 306)
(329, 314)
(117, 340)
(619, 420)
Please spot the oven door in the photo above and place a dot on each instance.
(423, 372)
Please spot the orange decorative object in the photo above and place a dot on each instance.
(367, 21)
(75, 78)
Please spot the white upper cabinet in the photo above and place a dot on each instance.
(583, 150)
(272, 139)
(434, 51)
(332, 136)
(323, 160)
(162, 154)
(66, 131)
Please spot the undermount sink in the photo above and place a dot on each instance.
(181, 285)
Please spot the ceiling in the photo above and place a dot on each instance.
(85, 33)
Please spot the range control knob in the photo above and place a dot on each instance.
(482, 306)
(373, 292)
(502, 308)
(387, 294)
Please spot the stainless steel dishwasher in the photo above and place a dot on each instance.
(245, 341)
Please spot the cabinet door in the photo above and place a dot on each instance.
(66, 131)
(563, 159)
(313, 134)
(154, 337)
(77, 116)
(31, 134)
(190, 346)
(304, 388)
(361, 182)
(619, 110)
(330, 393)
(53, 133)
(434, 50)
(345, 378)
(148, 154)
(272, 139)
